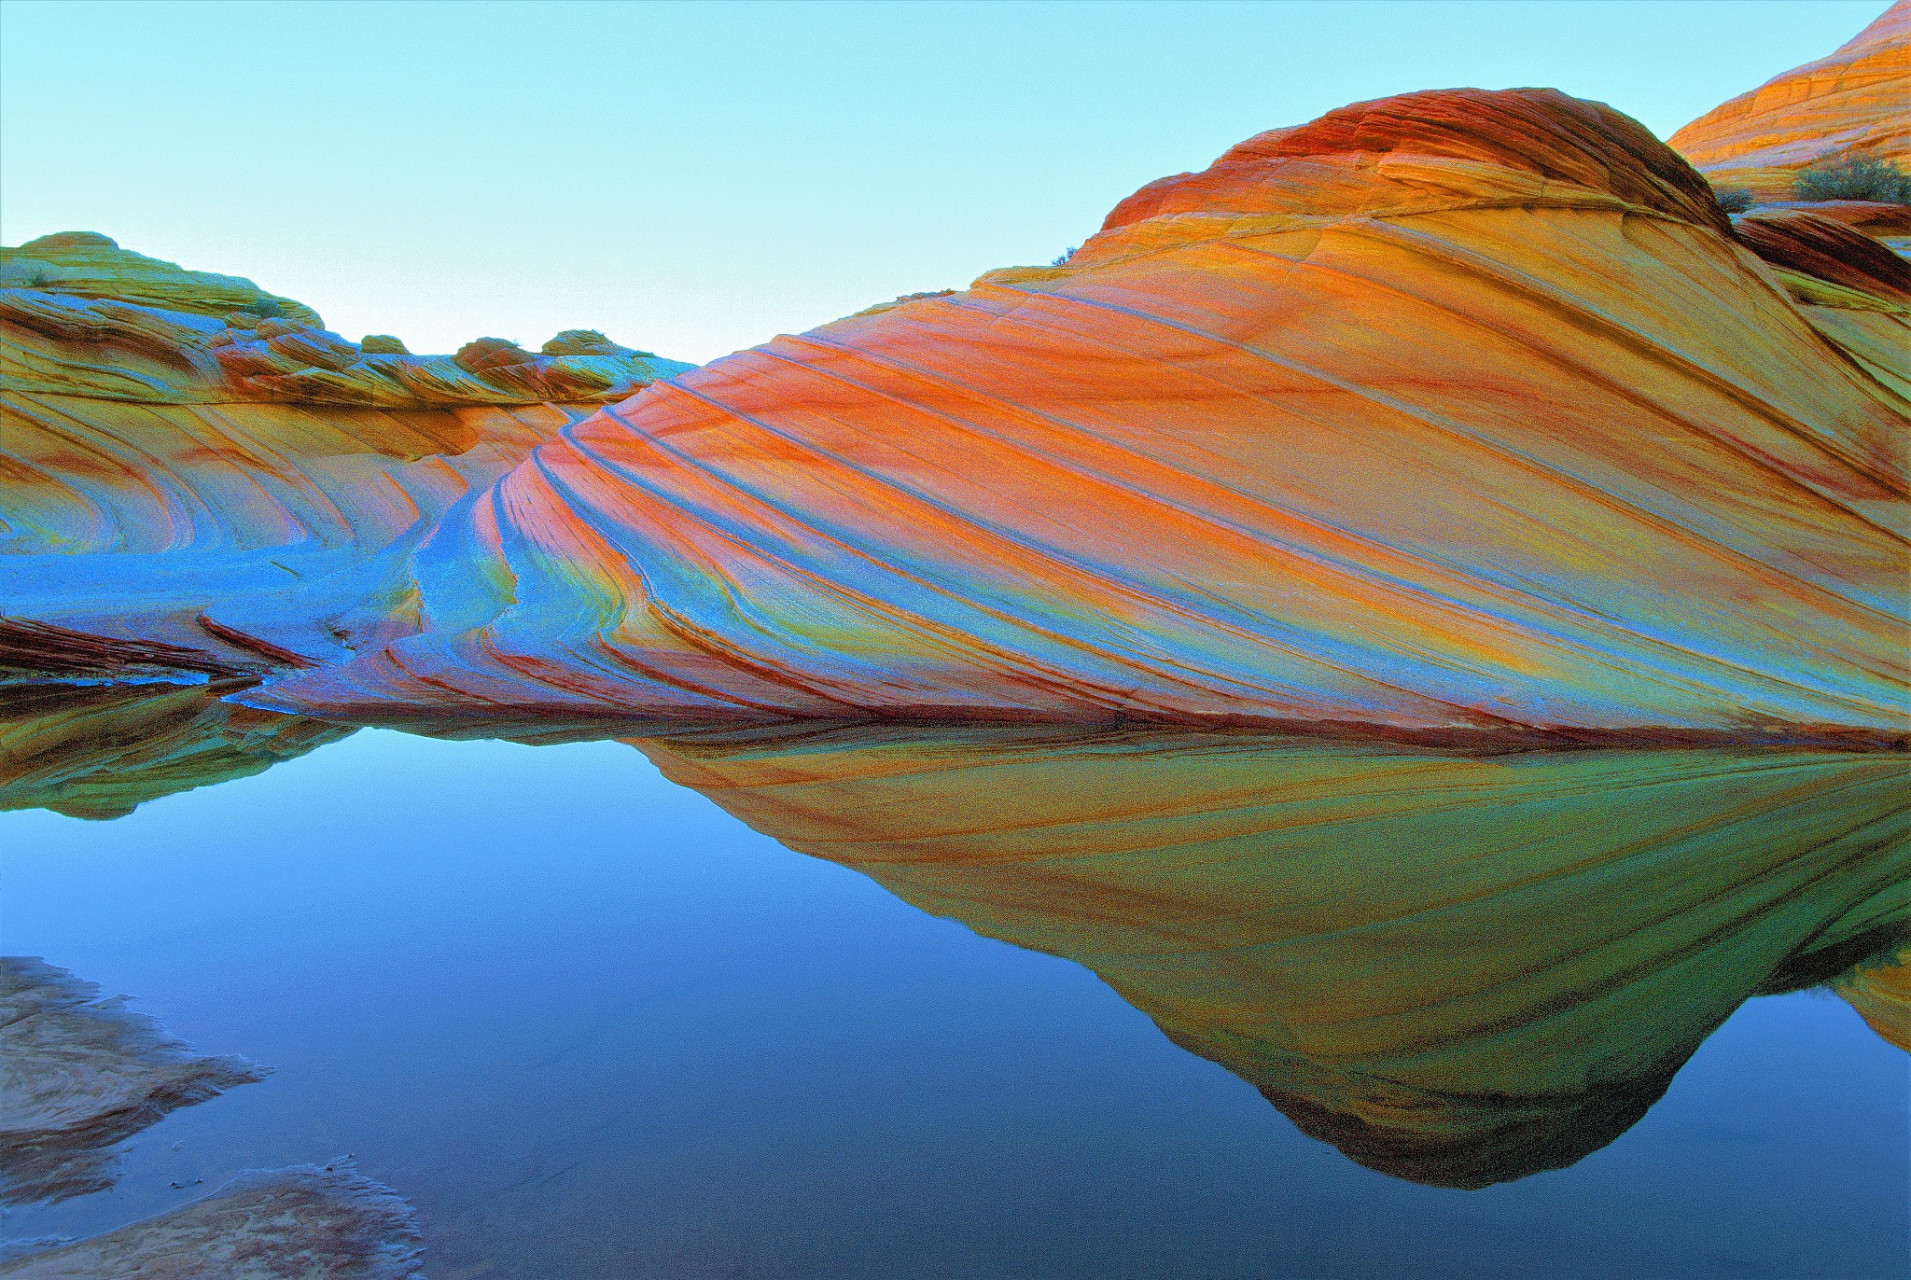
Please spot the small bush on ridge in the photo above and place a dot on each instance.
(1853, 177)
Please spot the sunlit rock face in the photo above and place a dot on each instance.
(78, 1075)
(1451, 414)
(1856, 99)
(304, 1221)
(1457, 412)
(100, 751)
(1457, 969)
(173, 442)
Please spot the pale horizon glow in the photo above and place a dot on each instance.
(693, 179)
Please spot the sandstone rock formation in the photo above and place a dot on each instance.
(1857, 100)
(85, 317)
(1457, 969)
(1452, 415)
(263, 1225)
(171, 440)
(1851, 288)
(1458, 412)
(78, 1075)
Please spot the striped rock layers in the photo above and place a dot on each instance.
(172, 441)
(1855, 101)
(1458, 412)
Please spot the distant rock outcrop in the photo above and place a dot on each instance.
(81, 316)
(174, 440)
(1857, 100)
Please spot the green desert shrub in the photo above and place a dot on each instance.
(26, 275)
(1853, 178)
(1733, 199)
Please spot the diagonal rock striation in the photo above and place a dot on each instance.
(1458, 412)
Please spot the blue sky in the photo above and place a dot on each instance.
(695, 178)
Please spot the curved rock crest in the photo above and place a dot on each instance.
(1456, 412)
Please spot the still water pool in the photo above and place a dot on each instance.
(591, 1024)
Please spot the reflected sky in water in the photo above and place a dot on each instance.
(593, 1026)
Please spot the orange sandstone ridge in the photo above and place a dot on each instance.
(1858, 99)
(1453, 413)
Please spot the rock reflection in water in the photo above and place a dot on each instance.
(100, 752)
(1881, 993)
(1458, 970)
(78, 1075)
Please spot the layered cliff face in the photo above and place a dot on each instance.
(1857, 100)
(1458, 412)
(171, 440)
(1457, 969)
